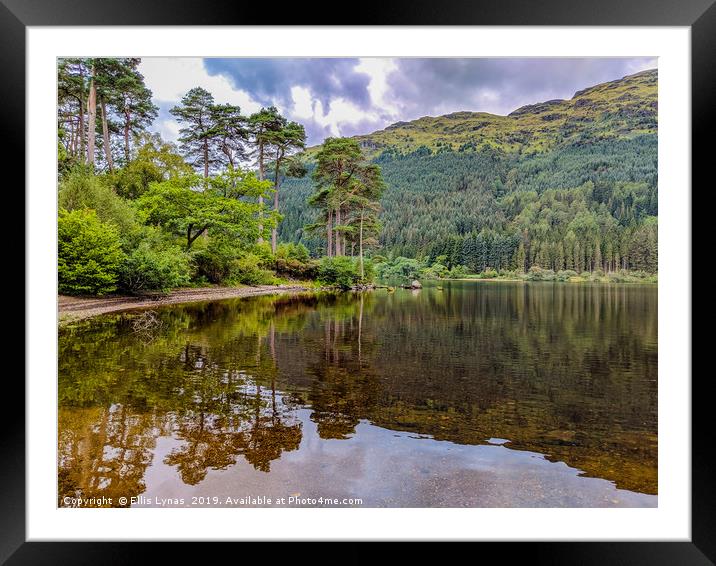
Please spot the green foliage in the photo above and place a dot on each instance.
(154, 266)
(89, 253)
(342, 271)
(222, 261)
(248, 269)
(189, 206)
(124, 107)
(400, 268)
(211, 134)
(290, 250)
(213, 261)
(79, 190)
(565, 275)
(155, 161)
(294, 262)
(435, 271)
(347, 193)
(296, 269)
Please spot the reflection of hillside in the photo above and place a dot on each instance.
(571, 376)
(568, 371)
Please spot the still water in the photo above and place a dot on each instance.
(474, 393)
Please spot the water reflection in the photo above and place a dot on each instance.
(564, 371)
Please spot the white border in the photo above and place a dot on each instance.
(670, 521)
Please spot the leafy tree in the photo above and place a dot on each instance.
(79, 190)
(89, 253)
(230, 133)
(155, 160)
(186, 209)
(133, 102)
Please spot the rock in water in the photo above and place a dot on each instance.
(416, 285)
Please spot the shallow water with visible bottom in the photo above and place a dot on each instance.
(461, 394)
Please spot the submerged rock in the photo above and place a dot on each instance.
(416, 285)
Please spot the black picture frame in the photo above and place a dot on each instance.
(699, 15)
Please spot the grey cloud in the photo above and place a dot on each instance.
(436, 86)
(272, 79)
(420, 86)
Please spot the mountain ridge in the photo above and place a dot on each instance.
(617, 109)
(560, 184)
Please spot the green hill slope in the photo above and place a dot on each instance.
(560, 184)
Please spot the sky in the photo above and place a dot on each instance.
(346, 97)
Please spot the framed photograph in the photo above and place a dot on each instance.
(422, 278)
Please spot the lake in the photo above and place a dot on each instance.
(461, 394)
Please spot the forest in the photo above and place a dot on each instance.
(241, 200)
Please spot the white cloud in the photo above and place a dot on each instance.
(170, 78)
(378, 70)
(169, 129)
(340, 111)
(302, 102)
(636, 65)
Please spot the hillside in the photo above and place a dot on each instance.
(618, 109)
(453, 177)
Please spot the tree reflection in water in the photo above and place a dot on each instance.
(568, 371)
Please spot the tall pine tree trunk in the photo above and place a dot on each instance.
(338, 235)
(82, 118)
(206, 158)
(360, 248)
(261, 198)
(91, 120)
(105, 136)
(329, 233)
(127, 119)
(274, 230)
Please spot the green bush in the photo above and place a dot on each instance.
(458, 272)
(291, 251)
(151, 267)
(263, 252)
(80, 190)
(294, 262)
(435, 271)
(295, 269)
(89, 253)
(565, 275)
(213, 260)
(536, 273)
(489, 273)
(400, 268)
(339, 271)
(247, 269)
(220, 261)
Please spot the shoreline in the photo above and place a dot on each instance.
(73, 309)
